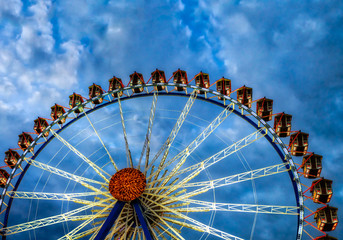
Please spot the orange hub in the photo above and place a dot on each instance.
(127, 184)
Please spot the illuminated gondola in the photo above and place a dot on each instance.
(158, 76)
(136, 79)
(94, 91)
(76, 100)
(114, 84)
(264, 108)
(40, 124)
(321, 190)
(283, 124)
(326, 218)
(56, 112)
(298, 143)
(202, 80)
(24, 141)
(11, 158)
(180, 77)
(244, 96)
(223, 86)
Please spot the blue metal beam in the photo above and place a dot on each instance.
(112, 217)
(138, 209)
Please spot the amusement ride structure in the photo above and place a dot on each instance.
(130, 163)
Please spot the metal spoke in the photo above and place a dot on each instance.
(146, 145)
(96, 132)
(225, 181)
(73, 197)
(128, 152)
(165, 147)
(233, 207)
(199, 225)
(68, 216)
(85, 233)
(100, 214)
(196, 143)
(70, 176)
(201, 166)
(97, 169)
(163, 221)
(163, 229)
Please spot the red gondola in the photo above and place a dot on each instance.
(223, 87)
(283, 124)
(312, 165)
(264, 108)
(158, 76)
(326, 218)
(24, 141)
(95, 90)
(116, 83)
(244, 96)
(136, 79)
(321, 190)
(298, 143)
(56, 112)
(202, 80)
(3, 177)
(180, 77)
(11, 158)
(40, 124)
(75, 100)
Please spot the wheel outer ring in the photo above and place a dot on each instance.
(283, 152)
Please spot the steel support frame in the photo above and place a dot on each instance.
(293, 175)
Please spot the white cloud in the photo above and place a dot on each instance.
(12, 7)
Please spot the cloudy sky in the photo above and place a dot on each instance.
(289, 51)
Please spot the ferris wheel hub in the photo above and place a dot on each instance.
(127, 184)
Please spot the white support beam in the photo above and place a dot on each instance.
(96, 168)
(199, 225)
(165, 147)
(196, 143)
(73, 197)
(128, 152)
(64, 217)
(146, 146)
(82, 180)
(103, 144)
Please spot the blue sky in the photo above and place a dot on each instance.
(288, 51)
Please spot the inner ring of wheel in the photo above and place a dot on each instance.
(127, 184)
(283, 152)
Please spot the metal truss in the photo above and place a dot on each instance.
(100, 214)
(199, 167)
(96, 168)
(194, 145)
(70, 176)
(198, 225)
(225, 181)
(103, 144)
(165, 147)
(146, 145)
(73, 197)
(68, 216)
(233, 207)
(128, 152)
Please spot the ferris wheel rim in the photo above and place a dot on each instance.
(283, 154)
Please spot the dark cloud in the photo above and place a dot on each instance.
(288, 51)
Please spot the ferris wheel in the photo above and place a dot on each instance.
(165, 159)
